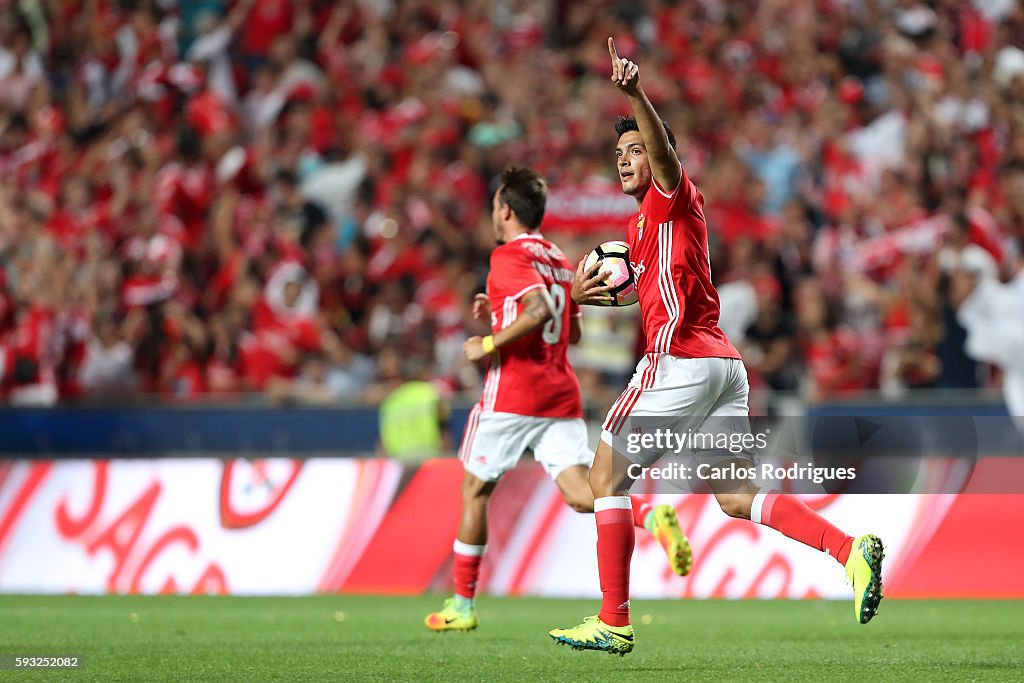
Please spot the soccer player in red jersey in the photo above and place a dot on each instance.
(531, 397)
(690, 371)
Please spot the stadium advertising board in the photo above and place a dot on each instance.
(289, 526)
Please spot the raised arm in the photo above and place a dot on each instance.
(664, 162)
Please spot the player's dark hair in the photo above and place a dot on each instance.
(525, 191)
(628, 123)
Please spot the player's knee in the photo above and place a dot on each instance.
(735, 505)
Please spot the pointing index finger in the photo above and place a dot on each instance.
(611, 48)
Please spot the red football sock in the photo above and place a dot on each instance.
(467, 568)
(790, 516)
(640, 510)
(614, 516)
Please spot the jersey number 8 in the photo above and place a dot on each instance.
(556, 302)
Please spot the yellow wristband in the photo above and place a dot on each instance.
(488, 344)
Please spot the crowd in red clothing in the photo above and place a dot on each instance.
(291, 196)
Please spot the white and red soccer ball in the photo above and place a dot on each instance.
(614, 258)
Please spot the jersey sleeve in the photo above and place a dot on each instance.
(513, 273)
(679, 198)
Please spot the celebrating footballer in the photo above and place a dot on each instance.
(689, 370)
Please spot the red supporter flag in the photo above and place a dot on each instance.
(586, 209)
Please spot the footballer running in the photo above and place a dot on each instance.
(531, 396)
(689, 370)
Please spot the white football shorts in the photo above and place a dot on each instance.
(494, 442)
(702, 401)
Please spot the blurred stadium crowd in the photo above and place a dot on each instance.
(292, 196)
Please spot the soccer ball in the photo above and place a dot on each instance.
(614, 258)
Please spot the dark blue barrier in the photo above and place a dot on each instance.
(906, 410)
(965, 428)
(146, 431)
(218, 429)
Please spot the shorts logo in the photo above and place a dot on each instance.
(481, 459)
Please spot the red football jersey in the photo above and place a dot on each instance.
(668, 249)
(532, 375)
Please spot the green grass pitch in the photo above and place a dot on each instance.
(381, 638)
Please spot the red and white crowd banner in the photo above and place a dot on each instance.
(292, 527)
(586, 208)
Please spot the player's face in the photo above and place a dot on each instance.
(498, 211)
(632, 164)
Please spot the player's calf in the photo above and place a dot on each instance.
(861, 557)
(459, 611)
